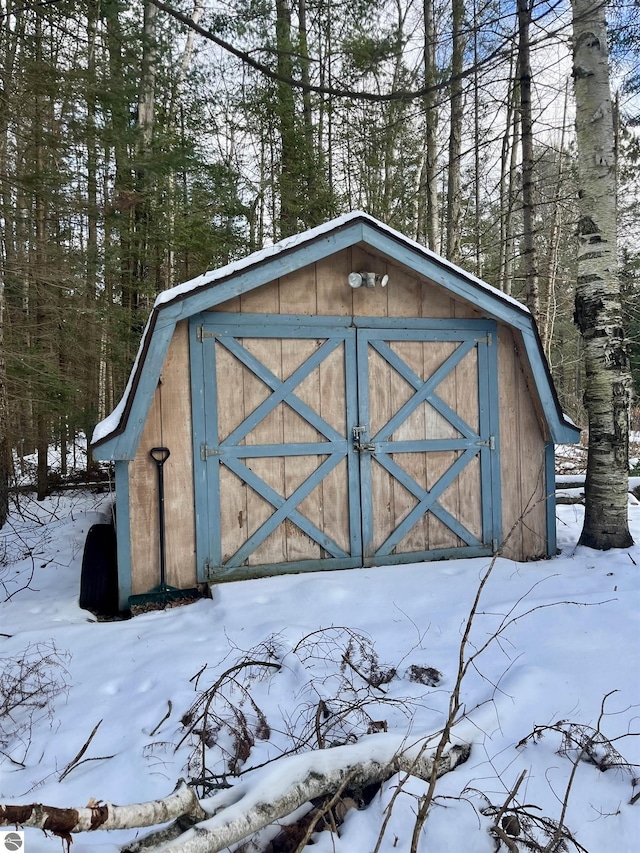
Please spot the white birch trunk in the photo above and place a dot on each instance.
(267, 795)
(146, 97)
(287, 784)
(598, 308)
(59, 821)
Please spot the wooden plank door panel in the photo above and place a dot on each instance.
(429, 466)
(280, 484)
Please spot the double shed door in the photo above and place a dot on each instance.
(332, 442)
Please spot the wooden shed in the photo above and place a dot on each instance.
(344, 398)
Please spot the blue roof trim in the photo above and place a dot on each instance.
(291, 259)
(443, 272)
(122, 442)
(562, 432)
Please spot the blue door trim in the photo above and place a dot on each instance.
(550, 495)
(123, 534)
(211, 330)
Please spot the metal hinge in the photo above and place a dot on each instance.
(209, 571)
(490, 443)
(494, 546)
(201, 334)
(206, 452)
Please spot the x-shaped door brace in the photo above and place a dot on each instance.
(424, 389)
(470, 444)
(336, 446)
(230, 453)
(281, 390)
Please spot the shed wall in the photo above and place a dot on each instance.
(168, 425)
(321, 289)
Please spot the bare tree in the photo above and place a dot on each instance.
(428, 227)
(454, 206)
(4, 421)
(528, 206)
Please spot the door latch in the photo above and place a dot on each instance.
(359, 444)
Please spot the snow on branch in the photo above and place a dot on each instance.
(266, 795)
(281, 787)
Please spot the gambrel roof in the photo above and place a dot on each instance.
(118, 435)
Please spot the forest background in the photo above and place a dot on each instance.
(137, 151)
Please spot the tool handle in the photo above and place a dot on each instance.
(160, 455)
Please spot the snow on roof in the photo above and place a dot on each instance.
(212, 276)
(112, 421)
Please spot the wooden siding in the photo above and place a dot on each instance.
(321, 289)
(240, 392)
(522, 464)
(169, 425)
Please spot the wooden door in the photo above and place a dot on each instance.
(427, 403)
(321, 445)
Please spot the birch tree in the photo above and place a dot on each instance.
(598, 312)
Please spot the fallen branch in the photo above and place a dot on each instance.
(59, 821)
(75, 761)
(283, 786)
(166, 717)
(235, 813)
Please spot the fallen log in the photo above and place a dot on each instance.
(287, 784)
(58, 821)
(263, 797)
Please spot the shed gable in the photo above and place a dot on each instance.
(316, 256)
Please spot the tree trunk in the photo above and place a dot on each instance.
(9, 39)
(147, 282)
(317, 205)
(598, 309)
(4, 420)
(547, 321)
(289, 153)
(244, 809)
(90, 365)
(62, 822)
(526, 120)
(428, 190)
(168, 261)
(507, 181)
(277, 790)
(146, 97)
(40, 275)
(477, 219)
(454, 210)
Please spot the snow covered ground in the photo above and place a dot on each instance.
(567, 652)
